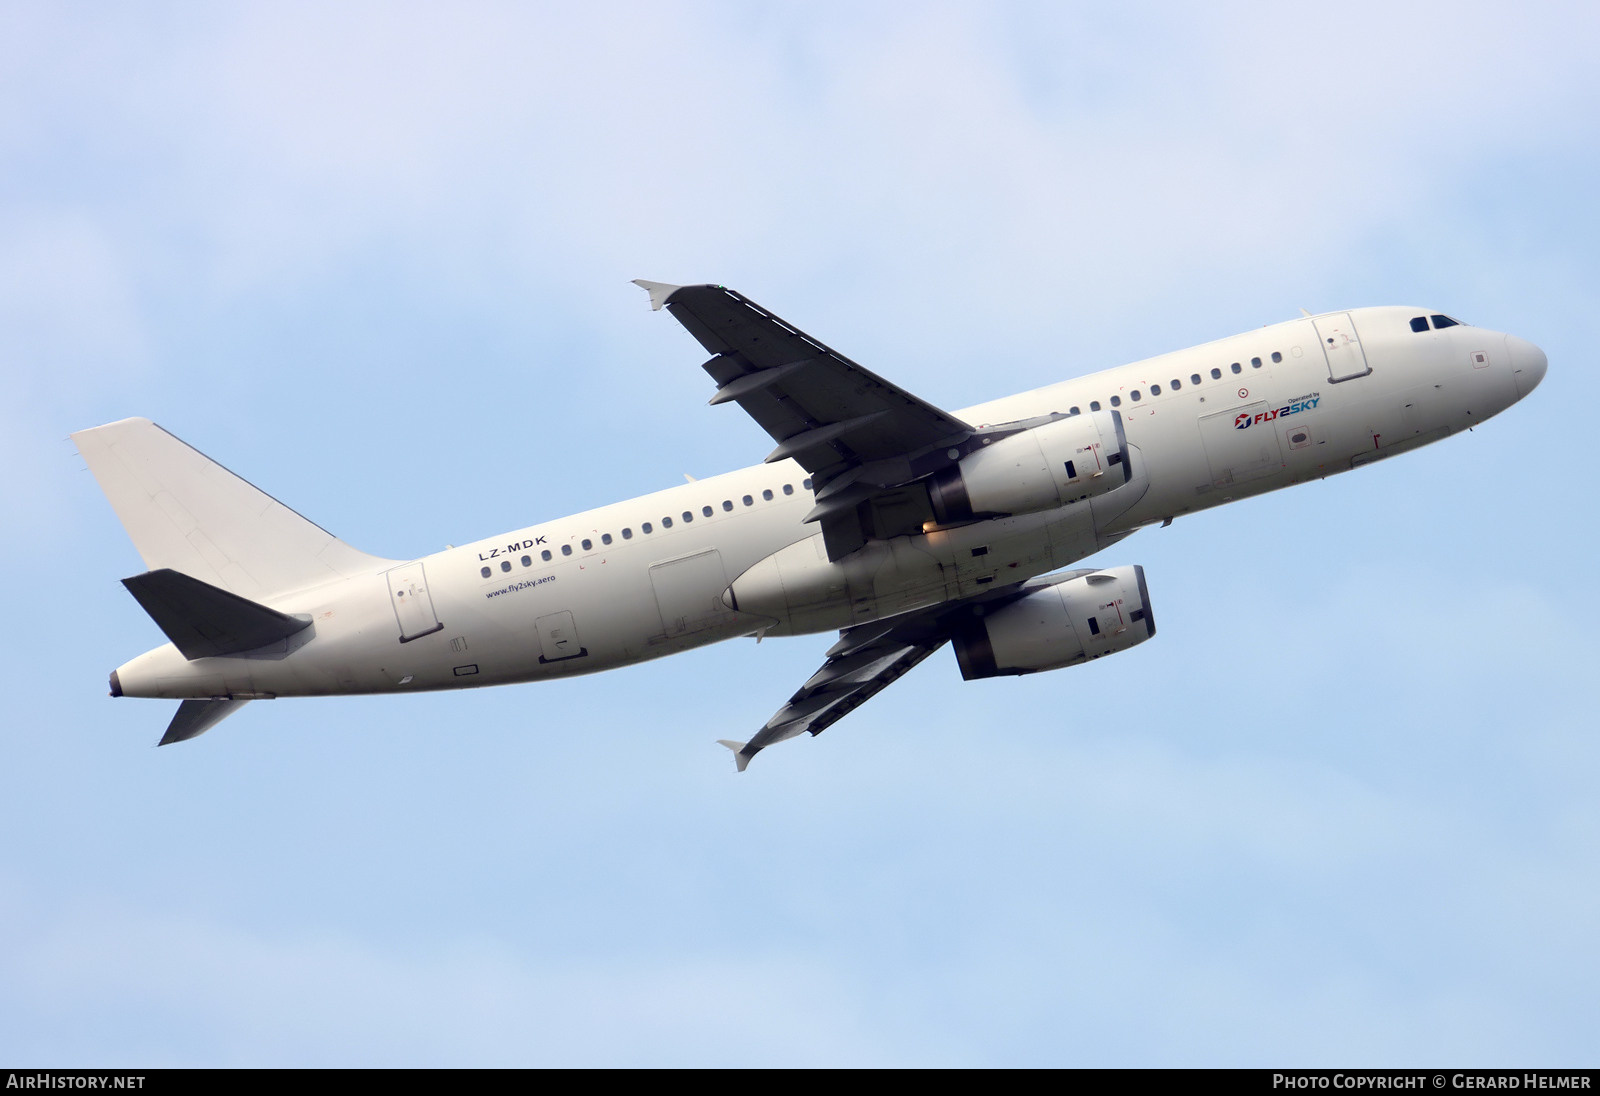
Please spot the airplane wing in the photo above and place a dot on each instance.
(857, 669)
(863, 439)
(867, 659)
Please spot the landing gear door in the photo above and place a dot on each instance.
(413, 605)
(1341, 346)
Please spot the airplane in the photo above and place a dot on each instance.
(878, 515)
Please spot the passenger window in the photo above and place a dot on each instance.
(1255, 363)
(505, 565)
(605, 538)
(806, 483)
(1277, 357)
(1074, 411)
(545, 555)
(767, 494)
(1445, 321)
(647, 528)
(587, 544)
(1094, 405)
(727, 505)
(486, 572)
(788, 490)
(566, 549)
(1235, 368)
(627, 534)
(1116, 401)
(1194, 378)
(1136, 395)
(527, 561)
(666, 523)
(748, 501)
(688, 516)
(706, 511)
(1216, 374)
(1176, 384)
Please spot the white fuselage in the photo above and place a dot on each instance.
(648, 577)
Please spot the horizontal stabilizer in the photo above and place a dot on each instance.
(196, 717)
(740, 758)
(203, 621)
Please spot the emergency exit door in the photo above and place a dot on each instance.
(558, 637)
(413, 605)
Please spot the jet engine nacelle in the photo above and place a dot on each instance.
(1071, 620)
(1041, 468)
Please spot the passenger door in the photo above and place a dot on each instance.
(1342, 347)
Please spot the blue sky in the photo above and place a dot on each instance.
(375, 258)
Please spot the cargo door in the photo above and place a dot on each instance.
(413, 605)
(689, 592)
(1341, 346)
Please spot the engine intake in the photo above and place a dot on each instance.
(1070, 620)
(1041, 468)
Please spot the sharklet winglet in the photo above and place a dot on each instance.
(659, 291)
(739, 756)
(196, 717)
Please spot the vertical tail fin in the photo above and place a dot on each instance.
(186, 512)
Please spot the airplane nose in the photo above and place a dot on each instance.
(1528, 364)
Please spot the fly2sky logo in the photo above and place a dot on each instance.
(1293, 407)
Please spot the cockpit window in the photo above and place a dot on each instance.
(1419, 323)
(1445, 321)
